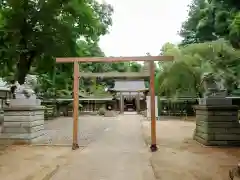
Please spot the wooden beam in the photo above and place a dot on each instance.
(137, 75)
(75, 105)
(113, 59)
(153, 113)
(130, 91)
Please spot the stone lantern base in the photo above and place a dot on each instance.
(22, 125)
(217, 125)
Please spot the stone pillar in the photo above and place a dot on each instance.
(22, 125)
(217, 123)
(121, 103)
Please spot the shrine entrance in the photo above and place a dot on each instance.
(129, 104)
(77, 75)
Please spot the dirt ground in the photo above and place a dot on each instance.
(34, 162)
(180, 157)
(30, 162)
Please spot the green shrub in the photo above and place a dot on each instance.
(102, 111)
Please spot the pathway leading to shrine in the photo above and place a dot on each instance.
(119, 154)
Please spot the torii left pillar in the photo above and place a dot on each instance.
(75, 105)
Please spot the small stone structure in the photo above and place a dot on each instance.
(216, 118)
(217, 125)
(24, 117)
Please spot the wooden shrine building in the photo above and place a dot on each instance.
(129, 91)
(129, 94)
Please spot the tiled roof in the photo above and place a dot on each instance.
(129, 85)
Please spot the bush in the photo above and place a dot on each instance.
(102, 111)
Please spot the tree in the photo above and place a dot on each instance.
(35, 32)
(210, 20)
(183, 75)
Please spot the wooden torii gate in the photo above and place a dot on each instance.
(76, 76)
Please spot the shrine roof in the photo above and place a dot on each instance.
(129, 87)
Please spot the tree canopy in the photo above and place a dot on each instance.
(210, 20)
(33, 33)
(211, 43)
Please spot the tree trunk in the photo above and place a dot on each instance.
(23, 66)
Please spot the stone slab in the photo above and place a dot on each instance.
(23, 118)
(36, 140)
(216, 112)
(215, 130)
(24, 123)
(24, 113)
(215, 101)
(217, 143)
(218, 124)
(23, 108)
(216, 118)
(24, 102)
(22, 136)
(217, 107)
(17, 130)
(218, 137)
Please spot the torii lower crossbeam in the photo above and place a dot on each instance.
(76, 61)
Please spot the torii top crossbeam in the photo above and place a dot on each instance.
(113, 59)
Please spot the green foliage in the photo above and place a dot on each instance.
(102, 111)
(211, 36)
(210, 20)
(135, 67)
(35, 32)
(183, 76)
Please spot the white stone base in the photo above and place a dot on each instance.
(22, 125)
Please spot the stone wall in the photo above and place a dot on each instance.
(217, 125)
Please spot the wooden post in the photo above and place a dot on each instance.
(153, 114)
(75, 105)
(121, 103)
(138, 102)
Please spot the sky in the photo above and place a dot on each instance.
(141, 26)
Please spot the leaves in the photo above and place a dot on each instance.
(34, 32)
(183, 76)
(211, 20)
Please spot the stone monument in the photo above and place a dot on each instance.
(216, 118)
(24, 116)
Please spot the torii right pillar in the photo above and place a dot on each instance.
(153, 146)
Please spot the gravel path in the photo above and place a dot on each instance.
(59, 131)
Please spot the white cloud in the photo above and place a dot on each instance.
(143, 26)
